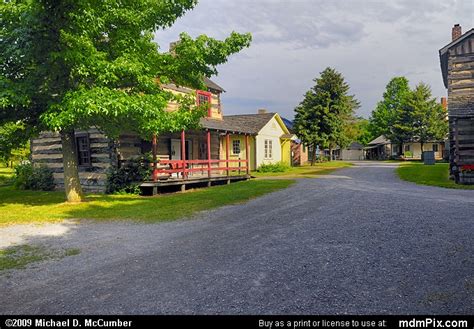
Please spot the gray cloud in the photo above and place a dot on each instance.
(368, 41)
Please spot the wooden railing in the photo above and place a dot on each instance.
(165, 168)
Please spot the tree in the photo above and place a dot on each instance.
(326, 110)
(422, 118)
(74, 64)
(358, 131)
(383, 117)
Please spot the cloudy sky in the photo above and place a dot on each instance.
(369, 42)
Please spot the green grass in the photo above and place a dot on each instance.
(306, 171)
(19, 256)
(6, 176)
(20, 207)
(437, 175)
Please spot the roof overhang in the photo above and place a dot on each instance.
(444, 52)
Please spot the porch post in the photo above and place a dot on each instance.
(247, 153)
(154, 148)
(227, 142)
(183, 152)
(208, 153)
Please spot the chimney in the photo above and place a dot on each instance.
(262, 111)
(173, 47)
(456, 32)
(444, 103)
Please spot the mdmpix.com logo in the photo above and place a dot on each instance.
(432, 323)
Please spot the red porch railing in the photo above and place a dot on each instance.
(186, 167)
(165, 168)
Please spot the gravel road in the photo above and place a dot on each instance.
(357, 241)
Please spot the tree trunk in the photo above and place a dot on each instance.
(313, 156)
(72, 184)
(421, 145)
(330, 154)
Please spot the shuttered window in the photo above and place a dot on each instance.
(83, 150)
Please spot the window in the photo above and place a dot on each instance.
(268, 154)
(204, 97)
(83, 150)
(407, 148)
(236, 146)
(435, 147)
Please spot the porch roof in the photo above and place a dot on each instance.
(245, 124)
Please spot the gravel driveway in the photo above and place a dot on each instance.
(357, 241)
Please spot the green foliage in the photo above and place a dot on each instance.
(273, 167)
(73, 64)
(408, 154)
(127, 178)
(29, 177)
(357, 130)
(14, 144)
(408, 115)
(421, 118)
(326, 110)
(384, 116)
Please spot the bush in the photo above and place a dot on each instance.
(29, 177)
(408, 154)
(127, 178)
(273, 167)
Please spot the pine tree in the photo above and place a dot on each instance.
(326, 110)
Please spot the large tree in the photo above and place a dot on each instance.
(421, 118)
(74, 64)
(383, 117)
(326, 110)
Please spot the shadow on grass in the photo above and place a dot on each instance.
(23, 207)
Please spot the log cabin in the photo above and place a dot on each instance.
(224, 149)
(457, 67)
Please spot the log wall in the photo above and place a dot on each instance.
(46, 150)
(461, 103)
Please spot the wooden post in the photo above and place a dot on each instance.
(208, 153)
(183, 152)
(227, 142)
(154, 152)
(247, 153)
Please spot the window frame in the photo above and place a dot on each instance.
(435, 148)
(80, 151)
(236, 143)
(268, 149)
(209, 96)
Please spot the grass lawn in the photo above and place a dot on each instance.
(22, 255)
(6, 175)
(306, 171)
(436, 175)
(20, 207)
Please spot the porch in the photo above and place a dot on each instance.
(179, 168)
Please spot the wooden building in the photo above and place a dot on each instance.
(457, 67)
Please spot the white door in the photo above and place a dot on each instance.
(175, 149)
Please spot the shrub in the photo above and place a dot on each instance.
(127, 178)
(273, 167)
(408, 154)
(29, 177)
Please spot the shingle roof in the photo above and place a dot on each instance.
(212, 85)
(244, 123)
(379, 140)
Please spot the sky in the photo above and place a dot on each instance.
(369, 42)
